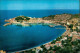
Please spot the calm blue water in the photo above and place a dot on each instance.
(16, 38)
(34, 13)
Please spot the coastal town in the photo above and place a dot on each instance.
(69, 42)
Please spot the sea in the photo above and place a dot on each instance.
(17, 38)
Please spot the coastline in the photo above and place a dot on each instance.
(63, 22)
(44, 43)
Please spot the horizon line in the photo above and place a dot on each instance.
(45, 9)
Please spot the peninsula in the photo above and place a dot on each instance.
(27, 21)
(61, 19)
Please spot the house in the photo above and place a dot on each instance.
(74, 33)
(70, 35)
(65, 38)
(74, 37)
(58, 43)
(68, 23)
(78, 38)
(78, 27)
(52, 45)
(38, 49)
(74, 28)
(47, 46)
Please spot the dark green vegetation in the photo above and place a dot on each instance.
(68, 46)
(75, 16)
(49, 17)
(27, 18)
(70, 26)
(21, 18)
(61, 17)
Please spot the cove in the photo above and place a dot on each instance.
(15, 38)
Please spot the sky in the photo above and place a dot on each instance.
(38, 4)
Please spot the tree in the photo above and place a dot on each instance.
(53, 41)
(75, 43)
(62, 42)
(19, 18)
(56, 48)
(52, 16)
(27, 18)
(77, 29)
(42, 46)
(57, 39)
(50, 48)
(71, 27)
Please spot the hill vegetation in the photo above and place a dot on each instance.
(21, 18)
